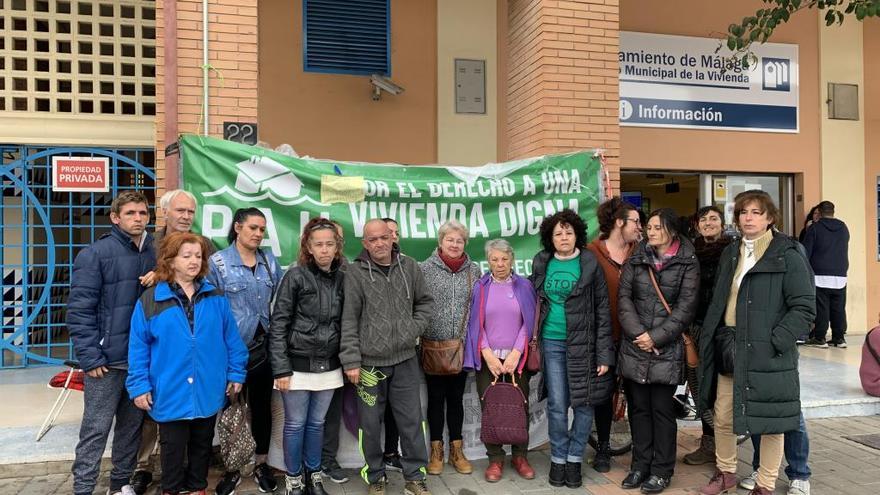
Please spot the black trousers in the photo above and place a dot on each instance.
(446, 392)
(332, 426)
(653, 427)
(603, 414)
(258, 390)
(186, 453)
(399, 385)
(392, 436)
(830, 310)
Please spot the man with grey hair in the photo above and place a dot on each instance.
(179, 209)
(387, 307)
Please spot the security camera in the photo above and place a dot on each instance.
(381, 83)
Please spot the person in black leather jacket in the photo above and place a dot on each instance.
(304, 350)
(651, 347)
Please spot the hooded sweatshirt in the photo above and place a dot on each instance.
(383, 315)
(827, 246)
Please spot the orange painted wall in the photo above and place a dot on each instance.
(731, 151)
(872, 160)
(332, 115)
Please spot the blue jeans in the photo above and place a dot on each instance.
(565, 445)
(304, 413)
(797, 452)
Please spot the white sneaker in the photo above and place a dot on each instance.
(799, 487)
(128, 490)
(749, 482)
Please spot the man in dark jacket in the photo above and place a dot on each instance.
(387, 307)
(827, 245)
(104, 288)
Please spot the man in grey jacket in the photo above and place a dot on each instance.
(387, 306)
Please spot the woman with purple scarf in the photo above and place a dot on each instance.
(500, 326)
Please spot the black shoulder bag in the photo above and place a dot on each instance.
(258, 351)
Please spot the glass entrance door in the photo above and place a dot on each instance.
(721, 189)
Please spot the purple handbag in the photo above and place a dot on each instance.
(505, 420)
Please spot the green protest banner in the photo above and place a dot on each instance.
(506, 200)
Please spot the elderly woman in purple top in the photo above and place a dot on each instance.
(500, 326)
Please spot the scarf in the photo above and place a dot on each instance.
(659, 261)
(710, 252)
(454, 264)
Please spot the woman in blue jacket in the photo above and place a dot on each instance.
(248, 276)
(184, 356)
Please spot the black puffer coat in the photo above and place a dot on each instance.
(306, 320)
(588, 342)
(642, 311)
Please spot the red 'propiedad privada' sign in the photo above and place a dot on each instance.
(80, 174)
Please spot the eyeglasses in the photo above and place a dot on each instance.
(634, 220)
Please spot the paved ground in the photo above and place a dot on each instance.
(839, 466)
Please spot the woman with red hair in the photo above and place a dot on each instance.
(184, 357)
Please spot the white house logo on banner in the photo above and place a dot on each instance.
(261, 177)
(680, 81)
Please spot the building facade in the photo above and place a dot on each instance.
(482, 81)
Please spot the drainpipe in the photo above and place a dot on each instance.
(172, 172)
(205, 64)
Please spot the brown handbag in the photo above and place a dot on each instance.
(693, 357)
(445, 357)
(533, 352)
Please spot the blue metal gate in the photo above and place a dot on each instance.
(41, 232)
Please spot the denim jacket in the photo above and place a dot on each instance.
(249, 294)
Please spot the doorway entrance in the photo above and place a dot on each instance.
(686, 192)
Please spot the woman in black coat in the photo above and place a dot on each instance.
(304, 351)
(651, 349)
(576, 344)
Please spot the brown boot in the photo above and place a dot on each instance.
(704, 454)
(457, 458)
(721, 482)
(435, 463)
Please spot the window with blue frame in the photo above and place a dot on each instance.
(347, 36)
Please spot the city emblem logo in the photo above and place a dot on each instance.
(776, 72)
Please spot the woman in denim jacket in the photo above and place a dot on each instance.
(248, 275)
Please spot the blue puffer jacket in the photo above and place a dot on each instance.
(185, 369)
(104, 288)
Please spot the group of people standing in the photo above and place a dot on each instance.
(174, 331)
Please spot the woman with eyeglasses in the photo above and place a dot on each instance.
(450, 275)
(248, 276)
(304, 351)
(620, 230)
